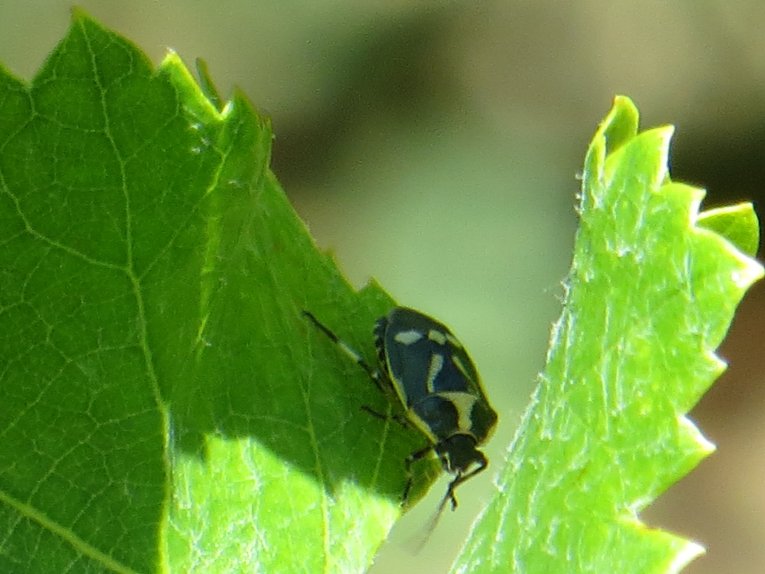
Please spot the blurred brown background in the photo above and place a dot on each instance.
(434, 145)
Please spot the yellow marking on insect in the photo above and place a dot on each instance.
(458, 363)
(407, 337)
(437, 337)
(422, 426)
(436, 364)
(453, 341)
(464, 403)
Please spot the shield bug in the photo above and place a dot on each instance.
(422, 366)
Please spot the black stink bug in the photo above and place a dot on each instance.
(423, 365)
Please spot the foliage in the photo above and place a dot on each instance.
(166, 407)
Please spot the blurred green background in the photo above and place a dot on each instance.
(435, 147)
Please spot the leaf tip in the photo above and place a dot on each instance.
(686, 554)
(736, 223)
(184, 82)
(704, 446)
(620, 124)
(79, 17)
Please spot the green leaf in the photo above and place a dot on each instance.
(649, 297)
(165, 405)
(736, 223)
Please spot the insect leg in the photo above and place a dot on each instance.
(408, 461)
(459, 479)
(373, 374)
(398, 418)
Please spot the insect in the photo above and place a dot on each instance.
(423, 366)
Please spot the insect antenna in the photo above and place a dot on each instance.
(434, 519)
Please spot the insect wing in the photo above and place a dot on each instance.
(423, 357)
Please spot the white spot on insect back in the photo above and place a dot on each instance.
(437, 337)
(407, 337)
(436, 364)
